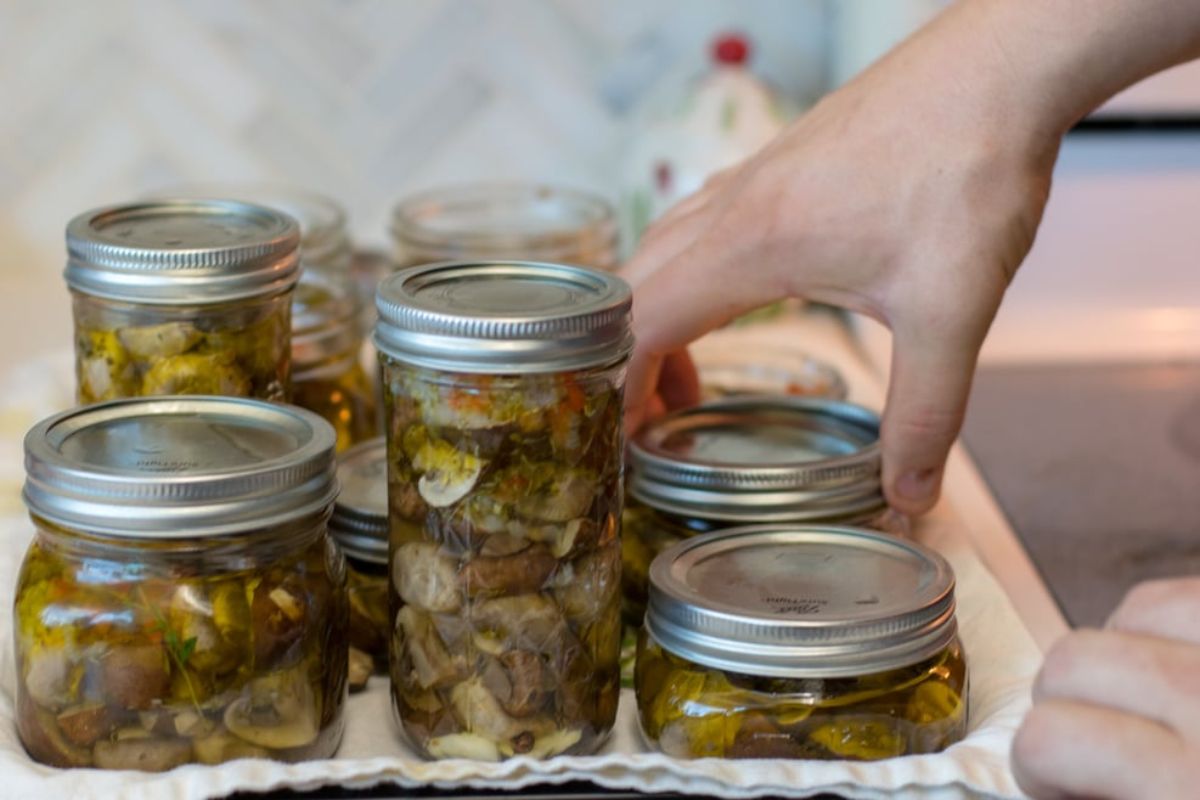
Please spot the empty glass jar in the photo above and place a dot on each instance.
(182, 600)
(182, 297)
(503, 391)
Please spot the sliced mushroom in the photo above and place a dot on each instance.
(148, 755)
(567, 495)
(523, 572)
(221, 746)
(597, 578)
(43, 739)
(134, 676)
(427, 578)
(160, 341)
(448, 474)
(47, 677)
(431, 664)
(406, 502)
(278, 614)
(527, 679)
(278, 711)
(83, 725)
(527, 621)
(480, 712)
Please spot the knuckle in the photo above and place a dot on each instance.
(1064, 660)
(1150, 599)
(1035, 740)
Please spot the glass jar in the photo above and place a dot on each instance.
(182, 297)
(503, 393)
(360, 526)
(500, 221)
(746, 460)
(815, 642)
(327, 372)
(181, 600)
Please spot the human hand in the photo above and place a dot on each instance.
(1117, 711)
(900, 196)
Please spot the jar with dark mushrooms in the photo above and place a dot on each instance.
(505, 489)
(193, 610)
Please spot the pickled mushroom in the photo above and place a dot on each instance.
(149, 755)
(522, 572)
(196, 373)
(564, 497)
(47, 677)
(527, 621)
(480, 712)
(135, 676)
(431, 663)
(596, 578)
(463, 745)
(43, 739)
(448, 474)
(277, 711)
(360, 668)
(555, 743)
(84, 725)
(160, 341)
(426, 578)
(527, 683)
(277, 615)
(221, 746)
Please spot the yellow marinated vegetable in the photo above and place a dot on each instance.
(692, 711)
(234, 350)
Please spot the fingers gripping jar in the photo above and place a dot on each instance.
(816, 642)
(747, 460)
(504, 390)
(182, 297)
(182, 600)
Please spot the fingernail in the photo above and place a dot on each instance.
(917, 484)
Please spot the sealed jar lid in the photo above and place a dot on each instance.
(503, 317)
(801, 601)
(507, 220)
(325, 324)
(324, 242)
(360, 516)
(761, 459)
(179, 467)
(182, 252)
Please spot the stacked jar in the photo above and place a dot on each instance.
(182, 600)
(506, 221)
(747, 460)
(503, 387)
(182, 297)
(360, 526)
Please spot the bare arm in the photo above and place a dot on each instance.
(911, 195)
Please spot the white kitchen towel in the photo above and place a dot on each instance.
(1002, 661)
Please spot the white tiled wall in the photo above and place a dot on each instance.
(361, 99)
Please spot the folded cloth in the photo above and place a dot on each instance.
(1002, 662)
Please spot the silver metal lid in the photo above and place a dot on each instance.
(323, 239)
(762, 458)
(503, 316)
(801, 601)
(179, 467)
(325, 325)
(360, 516)
(182, 252)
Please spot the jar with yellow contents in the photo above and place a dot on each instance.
(800, 642)
(328, 376)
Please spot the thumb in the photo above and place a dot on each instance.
(932, 368)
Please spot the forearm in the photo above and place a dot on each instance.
(1037, 66)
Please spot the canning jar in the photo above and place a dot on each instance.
(327, 370)
(819, 642)
(746, 460)
(360, 526)
(503, 392)
(181, 600)
(182, 297)
(501, 221)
